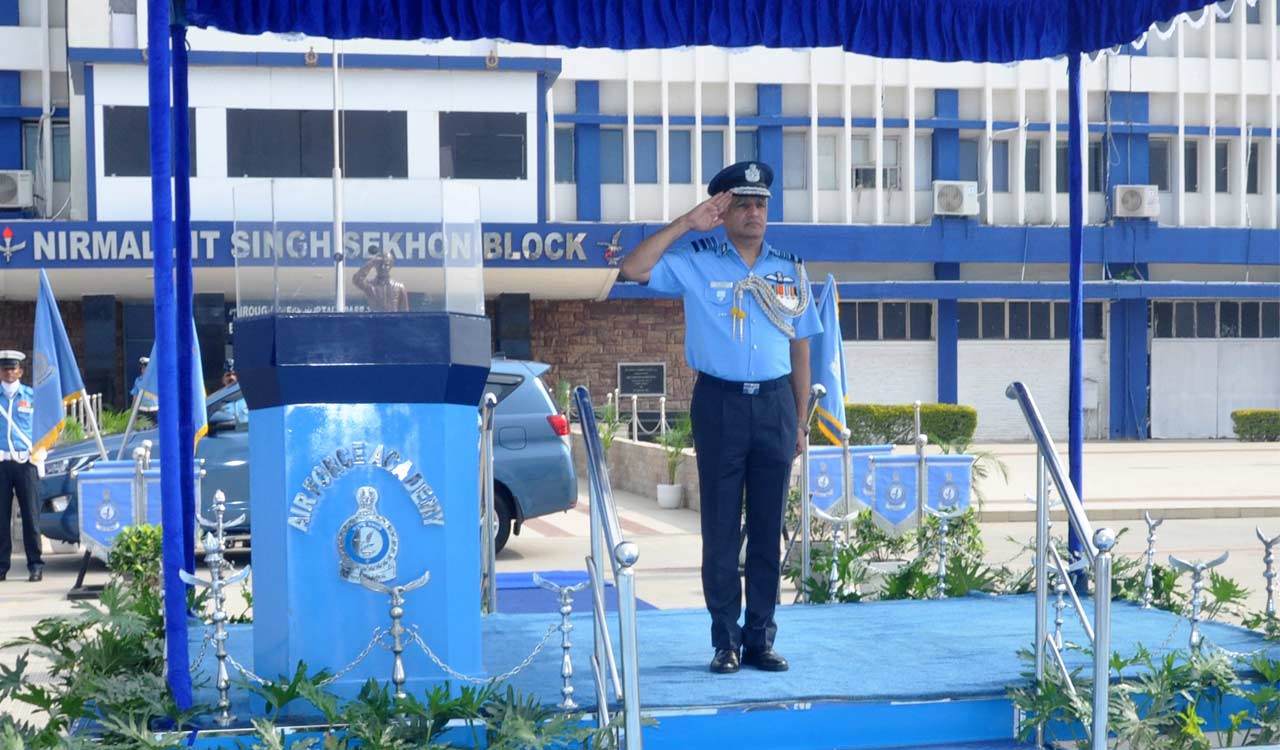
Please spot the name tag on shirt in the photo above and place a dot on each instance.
(720, 290)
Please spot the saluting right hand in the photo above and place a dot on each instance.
(709, 214)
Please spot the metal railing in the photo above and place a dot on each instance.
(488, 534)
(79, 409)
(816, 392)
(636, 428)
(1096, 554)
(619, 680)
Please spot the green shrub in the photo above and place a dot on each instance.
(874, 424)
(1257, 425)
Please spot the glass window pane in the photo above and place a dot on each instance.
(680, 156)
(612, 163)
(890, 152)
(1031, 168)
(895, 321)
(968, 160)
(1184, 320)
(1206, 320)
(1221, 167)
(1163, 312)
(868, 321)
(1229, 320)
(1000, 167)
(745, 146)
(1271, 320)
(924, 166)
(62, 152)
(921, 321)
(564, 155)
(712, 153)
(1019, 320)
(827, 159)
(30, 142)
(1061, 176)
(967, 315)
(126, 144)
(1191, 167)
(1041, 320)
(1061, 320)
(1159, 170)
(480, 145)
(1253, 13)
(1249, 318)
(860, 151)
(1096, 167)
(646, 156)
(1093, 320)
(849, 321)
(1251, 174)
(993, 320)
(795, 161)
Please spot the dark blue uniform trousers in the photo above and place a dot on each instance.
(745, 444)
(19, 479)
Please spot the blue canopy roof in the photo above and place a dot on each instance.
(943, 30)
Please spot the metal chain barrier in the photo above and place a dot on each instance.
(204, 646)
(551, 630)
(378, 635)
(246, 672)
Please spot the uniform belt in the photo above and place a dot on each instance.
(748, 388)
(20, 456)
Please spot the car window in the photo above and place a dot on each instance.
(501, 385)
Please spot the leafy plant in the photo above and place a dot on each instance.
(72, 431)
(673, 443)
(564, 396)
(607, 426)
(1256, 425)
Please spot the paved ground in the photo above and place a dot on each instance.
(1213, 493)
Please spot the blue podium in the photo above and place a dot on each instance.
(363, 465)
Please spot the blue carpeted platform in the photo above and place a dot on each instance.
(518, 594)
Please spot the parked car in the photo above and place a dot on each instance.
(533, 469)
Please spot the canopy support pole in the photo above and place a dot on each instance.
(1076, 135)
(185, 294)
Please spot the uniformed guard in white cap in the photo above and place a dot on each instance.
(18, 475)
(747, 316)
(148, 405)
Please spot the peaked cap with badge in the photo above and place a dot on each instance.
(11, 358)
(743, 178)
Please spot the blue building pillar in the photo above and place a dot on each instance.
(1129, 153)
(769, 104)
(10, 96)
(948, 337)
(586, 147)
(945, 144)
(1130, 364)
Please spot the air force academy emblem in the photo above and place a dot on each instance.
(367, 542)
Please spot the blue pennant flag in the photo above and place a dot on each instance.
(826, 363)
(948, 488)
(826, 476)
(864, 489)
(895, 479)
(150, 386)
(54, 373)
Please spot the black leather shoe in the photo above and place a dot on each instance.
(725, 661)
(767, 660)
(4, 575)
(36, 575)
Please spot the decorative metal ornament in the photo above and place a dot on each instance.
(367, 542)
(396, 610)
(1268, 574)
(1197, 570)
(1148, 580)
(565, 593)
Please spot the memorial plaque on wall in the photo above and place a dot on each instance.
(642, 378)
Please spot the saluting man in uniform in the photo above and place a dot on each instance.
(747, 316)
(17, 473)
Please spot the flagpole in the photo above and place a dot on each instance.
(128, 430)
(92, 419)
(339, 257)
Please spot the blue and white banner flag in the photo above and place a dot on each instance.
(55, 376)
(895, 506)
(949, 478)
(864, 487)
(150, 386)
(826, 476)
(107, 505)
(826, 363)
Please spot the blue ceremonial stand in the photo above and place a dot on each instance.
(363, 466)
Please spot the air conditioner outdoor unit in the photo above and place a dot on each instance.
(1136, 202)
(955, 198)
(15, 188)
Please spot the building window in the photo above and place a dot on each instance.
(1251, 173)
(1159, 160)
(1252, 13)
(827, 160)
(1227, 319)
(1031, 169)
(299, 143)
(712, 153)
(482, 145)
(126, 145)
(968, 161)
(746, 146)
(1221, 167)
(1062, 182)
(795, 161)
(1000, 166)
(564, 155)
(645, 144)
(612, 163)
(886, 321)
(1024, 320)
(1063, 177)
(32, 146)
(680, 156)
(1191, 167)
(863, 158)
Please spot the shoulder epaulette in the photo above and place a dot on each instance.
(789, 256)
(704, 243)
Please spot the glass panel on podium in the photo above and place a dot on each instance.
(253, 247)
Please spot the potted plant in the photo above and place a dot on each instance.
(673, 442)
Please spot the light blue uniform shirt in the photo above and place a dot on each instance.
(15, 420)
(704, 273)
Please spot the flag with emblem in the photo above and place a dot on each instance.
(826, 363)
(150, 386)
(55, 376)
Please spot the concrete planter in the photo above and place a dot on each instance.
(670, 496)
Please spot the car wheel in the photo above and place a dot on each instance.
(502, 517)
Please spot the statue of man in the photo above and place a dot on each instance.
(383, 294)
